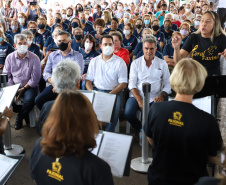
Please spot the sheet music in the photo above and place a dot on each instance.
(103, 105)
(98, 140)
(201, 103)
(88, 94)
(114, 150)
(8, 96)
(6, 164)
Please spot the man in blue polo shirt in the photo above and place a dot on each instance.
(161, 14)
(97, 13)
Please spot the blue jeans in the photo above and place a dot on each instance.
(28, 103)
(111, 126)
(130, 113)
(45, 96)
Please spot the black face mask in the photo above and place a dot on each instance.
(155, 27)
(79, 9)
(167, 28)
(57, 20)
(63, 46)
(138, 26)
(68, 15)
(136, 14)
(74, 25)
(33, 31)
(78, 37)
(41, 26)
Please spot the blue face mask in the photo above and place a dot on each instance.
(126, 8)
(83, 21)
(1, 39)
(146, 22)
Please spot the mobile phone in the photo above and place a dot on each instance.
(211, 4)
(33, 3)
(164, 11)
(53, 49)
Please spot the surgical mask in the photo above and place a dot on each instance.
(87, 16)
(63, 46)
(167, 28)
(126, 20)
(146, 22)
(103, 6)
(22, 49)
(57, 20)
(187, 10)
(21, 20)
(155, 27)
(14, 28)
(64, 16)
(33, 31)
(138, 26)
(175, 16)
(107, 50)
(126, 32)
(41, 26)
(126, 8)
(1, 39)
(184, 32)
(57, 7)
(197, 23)
(119, 7)
(29, 42)
(55, 40)
(88, 46)
(95, 11)
(78, 37)
(83, 21)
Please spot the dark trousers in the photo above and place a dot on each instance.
(45, 96)
(222, 14)
(28, 104)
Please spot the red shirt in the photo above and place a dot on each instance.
(124, 54)
(178, 23)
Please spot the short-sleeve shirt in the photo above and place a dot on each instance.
(138, 35)
(95, 16)
(10, 14)
(45, 35)
(38, 39)
(5, 50)
(13, 34)
(87, 29)
(168, 50)
(48, 41)
(161, 18)
(130, 43)
(65, 27)
(35, 49)
(205, 51)
(10, 38)
(33, 14)
(183, 138)
(160, 37)
(76, 45)
(24, 27)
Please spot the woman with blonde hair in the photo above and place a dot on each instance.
(107, 18)
(63, 154)
(184, 138)
(205, 45)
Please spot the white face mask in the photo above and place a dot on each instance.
(56, 41)
(57, 8)
(87, 16)
(119, 7)
(197, 23)
(126, 32)
(88, 46)
(21, 20)
(175, 16)
(29, 42)
(107, 50)
(126, 20)
(64, 16)
(187, 10)
(95, 11)
(103, 6)
(22, 49)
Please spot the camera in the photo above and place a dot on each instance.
(33, 3)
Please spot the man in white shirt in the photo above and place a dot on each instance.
(153, 70)
(108, 73)
(221, 11)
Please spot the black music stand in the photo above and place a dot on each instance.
(215, 86)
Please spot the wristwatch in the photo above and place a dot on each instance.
(5, 117)
(24, 87)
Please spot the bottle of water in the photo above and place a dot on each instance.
(140, 137)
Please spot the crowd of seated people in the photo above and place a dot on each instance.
(117, 47)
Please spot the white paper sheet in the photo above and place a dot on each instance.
(98, 140)
(6, 164)
(103, 105)
(88, 94)
(114, 150)
(201, 103)
(8, 96)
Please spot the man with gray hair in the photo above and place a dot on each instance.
(66, 75)
(64, 44)
(150, 69)
(169, 16)
(23, 67)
